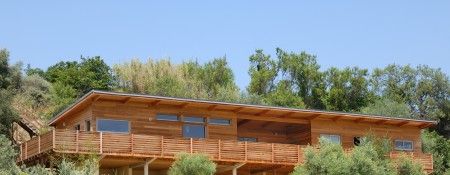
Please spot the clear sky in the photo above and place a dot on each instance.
(367, 34)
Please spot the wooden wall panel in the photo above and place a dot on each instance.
(143, 119)
(349, 129)
(78, 118)
(276, 132)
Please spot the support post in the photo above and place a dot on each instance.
(39, 144)
(233, 168)
(53, 139)
(101, 142)
(132, 144)
(76, 141)
(26, 150)
(220, 156)
(162, 146)
(191, 145)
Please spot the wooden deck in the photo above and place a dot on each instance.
(143, 146)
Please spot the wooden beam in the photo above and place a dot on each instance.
(101, 157)
(381, 122)
(274, 167)
(242, 122)
(263, 113)
(337, 118)
(126, 100)
(235, 166)
(287, 115)
(212, 107)
(274, 119)
(358, 120)
(146, 162)
(154, 103)
(237, 110)
(95, 98)
(314, 116)
(266, 124)
(403, 123)
(184, 105)
(425, 125)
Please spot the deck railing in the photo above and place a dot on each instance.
(117, 144)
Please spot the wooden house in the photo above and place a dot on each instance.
(140, 134)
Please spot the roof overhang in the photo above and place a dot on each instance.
(244, 111)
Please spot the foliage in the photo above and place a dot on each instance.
(367, 158)
(440, 148)
(388, 107)
(7, 157)
(8, 114)
(263, 72)
(194, 164)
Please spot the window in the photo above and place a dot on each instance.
(194, 131)
(167, 117)
(247, 139)
(356, 141)
(77, 127)
(88, 125)
(332, 138)
(194, 119)
(120, 126)
(404, 145)
(220, 121)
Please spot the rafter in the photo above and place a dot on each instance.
(154, 103)
(358, 120)
(402, 123)
(314, 116)
(212, 107)
(96, 98)
(425, 125)
(184, 105)
(237, 110)
(263, 113)
(126, 100)
(337, 118)
(287, 115)
(243, 122)
(381, 122)
(273, 119)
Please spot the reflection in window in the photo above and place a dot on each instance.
(120, 126)
(403, 145)
(247, 139)
(194, 131)
(219, 121)
(88, 125)
(194, 119)
(332, 138)
(167, 117)
(356, 141)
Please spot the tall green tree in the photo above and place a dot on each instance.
(263, 72)
(7, 157)
(388, 107)
(303, 71)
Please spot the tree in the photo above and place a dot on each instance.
(263, 72)
(437, 145)
(284, 96)
(347, 89)
(194, 164)
(7, 157)
(303, 72)
(388, 107)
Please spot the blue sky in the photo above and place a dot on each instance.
(367, 34)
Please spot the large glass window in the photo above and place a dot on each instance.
(404, 145)
(194, 119)
(194, 131)
(332, 138)
(220, 121)
(120, 126)
(167, 117)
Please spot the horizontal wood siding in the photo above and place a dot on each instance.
(349, 129)
(78, 118)
(143, 119)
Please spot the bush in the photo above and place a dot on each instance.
(194, 164)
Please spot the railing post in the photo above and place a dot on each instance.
(273, 154)
(21, 154)
(162, 146)
(101, 142)
(39, 144)
(26, 150)
(298, 154)
(220, 156)
(76, 141)
(192, 145)
(245, 146)
(132, 144)
(53, 139)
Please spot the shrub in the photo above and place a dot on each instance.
(194, 164)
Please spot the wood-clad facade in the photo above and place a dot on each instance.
(264, 139)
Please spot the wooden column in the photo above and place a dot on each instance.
(39, 144)
(101, 142)
(53, 139)
(220, 156)
(76, 140)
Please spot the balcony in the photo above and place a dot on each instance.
(146, 146)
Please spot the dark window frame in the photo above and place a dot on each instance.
(170, 120)
(403, 145)
(205, 134)
(219, 119)
(129, 125)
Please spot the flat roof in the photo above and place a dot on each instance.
(96, 94)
